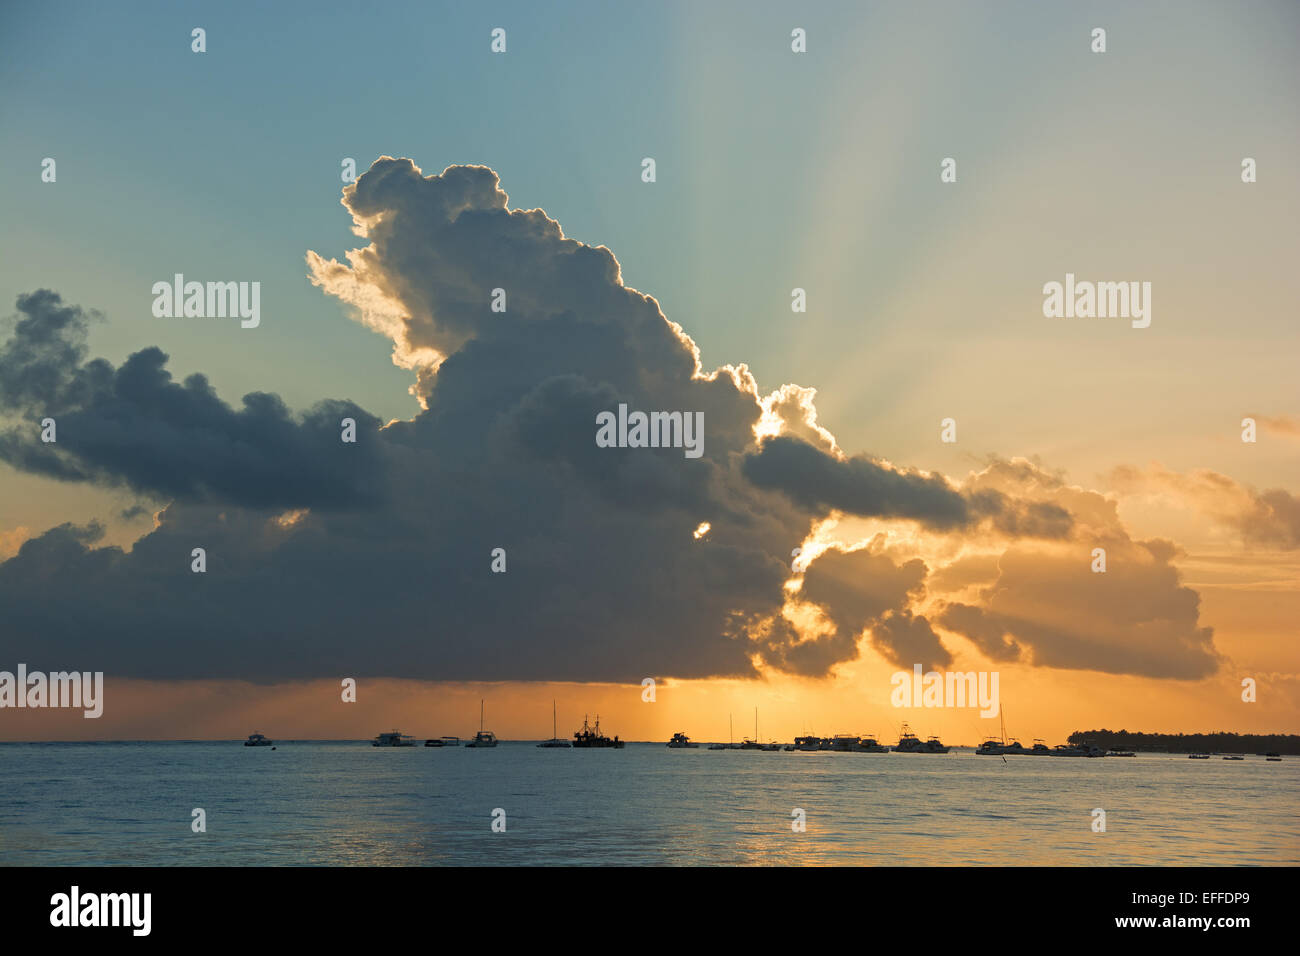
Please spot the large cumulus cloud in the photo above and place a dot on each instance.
(330, 559)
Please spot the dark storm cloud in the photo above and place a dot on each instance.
(134, 426)
(330, 560)
(817, 481)
(1049, 609)
(857, 590)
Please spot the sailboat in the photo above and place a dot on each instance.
(728, 745)
(484, 738)
(753, 744)
(555, 741)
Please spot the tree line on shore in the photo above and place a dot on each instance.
(1190, 743)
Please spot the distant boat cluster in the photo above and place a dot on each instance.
(591, 737)
(1271, 756)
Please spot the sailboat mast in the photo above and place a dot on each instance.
(480, 715)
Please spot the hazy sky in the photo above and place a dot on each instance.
(774, 170)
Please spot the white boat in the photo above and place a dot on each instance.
(257, 740)
(394, 739)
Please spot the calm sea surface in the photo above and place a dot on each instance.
(323, 803)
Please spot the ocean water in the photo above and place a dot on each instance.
(347, 803)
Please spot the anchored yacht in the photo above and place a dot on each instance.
(393, 739)
(555, 741)
(484, 738)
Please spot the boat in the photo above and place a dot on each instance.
(1121, 753)
(681, 742)
(933, 745)
(908, 742)
(443, 742)
(555, 740)
(257, 740)
(484, 738)
(869, 745)
(843, 743)
(1198, 756)
(1000, 748)
(591, 737)
(1065, 750)
(393, 739)
(728, 745)
(1273, 756)
(807, 743)
(753, 743)
(1233, 757)
(1039, 748)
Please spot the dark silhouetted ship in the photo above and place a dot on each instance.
(592, 737)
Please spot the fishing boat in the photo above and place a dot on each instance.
(443, 742)
(484, 738)
(591, 737)
(990, 748)
(843, 743)
(1198, 756)
(257, 740)
(908, 742)
(869, 745)
(807, 743)
(1233, 757)
(680, 741)
(555, 741)
(393, 739)
(933, 745)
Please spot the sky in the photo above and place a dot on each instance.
(774, 171)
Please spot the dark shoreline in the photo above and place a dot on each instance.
(1222, 742)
